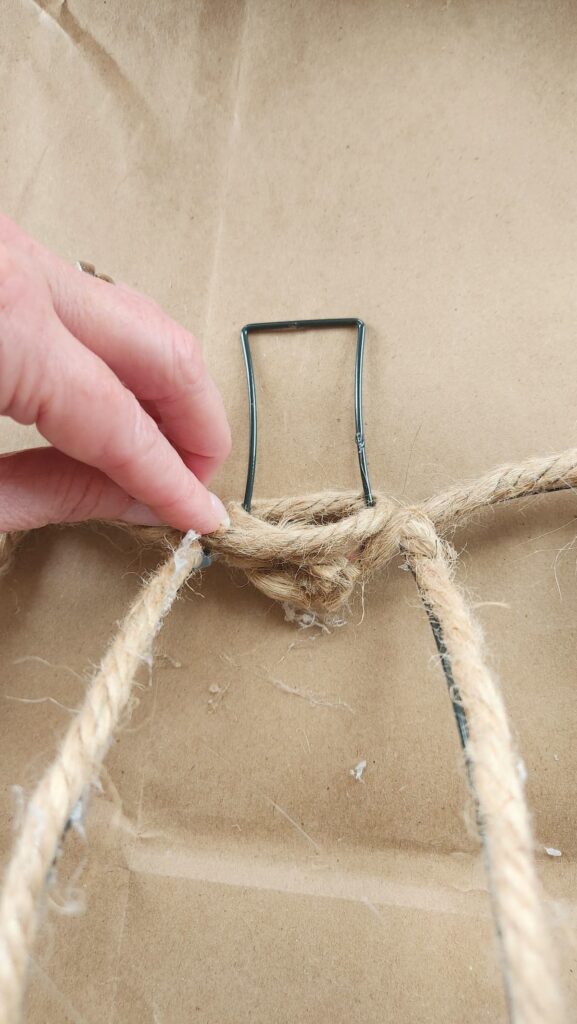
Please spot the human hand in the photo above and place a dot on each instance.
(120, 391)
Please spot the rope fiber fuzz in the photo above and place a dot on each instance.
(76, 765)
(527, 955)
(312, 551)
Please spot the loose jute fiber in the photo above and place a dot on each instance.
(311, 552)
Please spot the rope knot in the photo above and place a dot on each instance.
(417, 535)
(310, 551)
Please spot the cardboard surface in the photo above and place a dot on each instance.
(413, 164)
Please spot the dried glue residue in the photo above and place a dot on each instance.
(217, 694)
(358, 771)
(310, 619)
(552, 852)
(187, 540)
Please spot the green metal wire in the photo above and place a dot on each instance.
(305, 325)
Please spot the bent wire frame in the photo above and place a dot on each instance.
(305, 325)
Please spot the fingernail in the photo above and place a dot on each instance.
(219, 510)
(140, 515)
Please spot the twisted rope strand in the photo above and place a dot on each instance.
(312, 551)
(527, 954)
(77, 763)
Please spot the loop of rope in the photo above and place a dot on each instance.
(312, 551)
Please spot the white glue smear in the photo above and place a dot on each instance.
(310, 619)
(184, 545)
(358, 770)
(552, 852)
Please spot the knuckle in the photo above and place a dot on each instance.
(33, 386)
(184, 360)
(23, 338)
(143, 431)
(188, 494)
(78, 494)
(132, 435)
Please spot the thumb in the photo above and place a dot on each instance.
(42, 486)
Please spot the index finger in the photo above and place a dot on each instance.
(157, 358)
(153, 355)
(84, 410)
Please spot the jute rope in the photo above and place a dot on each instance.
(527, 954)
(78, 761)
(312, 551)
